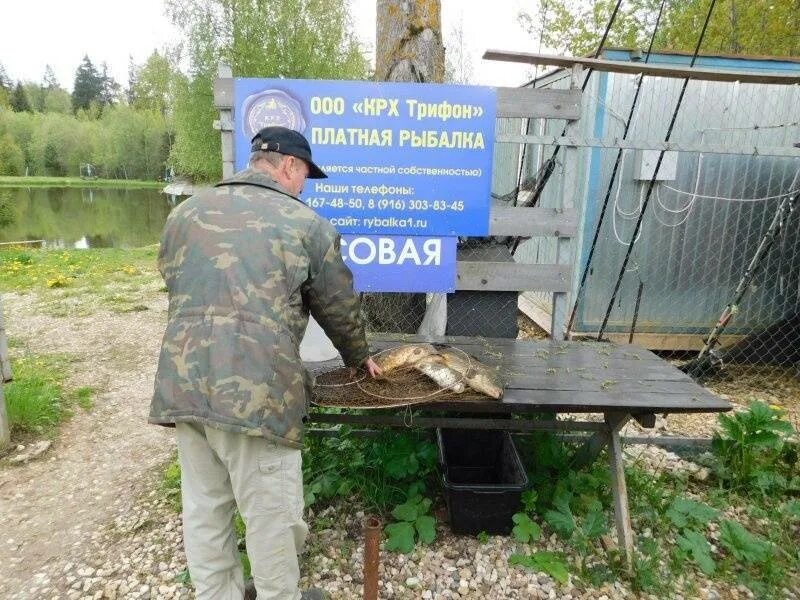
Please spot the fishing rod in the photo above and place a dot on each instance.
(548, 167)
(651, 185)
(706, 360)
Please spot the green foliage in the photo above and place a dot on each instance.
(483, 537)
(88, 87)
(548, 562)
(154, 84)
(736, 27)
(84, 396)
(12, 159)
(380, 472)
(525, 530)
(696, 545)
(19, 100)
(171, 484)
(743, 545)
(414, 523)
(35, 400)
(121, 143)
(684, 512)
(754, 449)
(286, 38)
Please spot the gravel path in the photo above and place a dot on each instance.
(50, 508)
(87, 521)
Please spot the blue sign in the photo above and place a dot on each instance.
(401, 263)
(402, 159)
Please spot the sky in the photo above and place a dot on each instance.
(36, 33)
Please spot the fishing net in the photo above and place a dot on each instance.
(403, 386)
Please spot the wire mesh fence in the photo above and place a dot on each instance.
(712, 206)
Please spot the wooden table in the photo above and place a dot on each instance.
(620, 382)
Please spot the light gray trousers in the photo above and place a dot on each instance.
(220, 471)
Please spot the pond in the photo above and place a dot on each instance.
(84, 217)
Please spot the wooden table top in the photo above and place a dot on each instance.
(542, 376)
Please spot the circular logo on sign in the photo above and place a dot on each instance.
(272, 107)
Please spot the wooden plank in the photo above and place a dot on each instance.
(538, 103)
(223, 92)
(531, 222)
(671, 341)
(455, 423)
(628, 386)
(651, 69)
(531, 309)
(5, 363)
(511, 102)
(638, 144)
(502, 349)
(5, 375)
(512, 277)
(536, 401)
(619, 487)
(570, 189)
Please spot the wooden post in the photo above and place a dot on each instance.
(619, 488)
(226, 127)
(5, 375)
(569, 191)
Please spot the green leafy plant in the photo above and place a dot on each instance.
(743, 545)
(413, 524)
(751, 448)
(696, 545)
(684, 512)
(525, 530)
(548, 562)
(483, 537)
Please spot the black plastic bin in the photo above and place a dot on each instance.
(483, 479)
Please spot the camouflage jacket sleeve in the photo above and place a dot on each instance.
(330, 297)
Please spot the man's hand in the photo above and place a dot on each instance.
(372, 367)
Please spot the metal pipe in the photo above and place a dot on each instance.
(372, 542)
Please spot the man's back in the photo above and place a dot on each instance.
(243, 265)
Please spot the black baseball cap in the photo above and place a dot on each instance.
(286, 141)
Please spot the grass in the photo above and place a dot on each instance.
(36, 399)
(8, 181)
(74, 282)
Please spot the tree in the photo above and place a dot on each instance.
(458, 63)
(12, 160)
(5, 88)
(130, 92)
(88, 86)
(283, 38)
(50, 81)
(19, 100)
(110, 88)
(736, 26)
(154, 84)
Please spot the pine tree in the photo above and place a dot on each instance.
(110, 88)
(19, 100)
(88, 86)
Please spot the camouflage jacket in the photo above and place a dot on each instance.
(244, 263)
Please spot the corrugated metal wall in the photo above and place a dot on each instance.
(693, 249)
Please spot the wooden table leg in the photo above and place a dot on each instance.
(619, 488)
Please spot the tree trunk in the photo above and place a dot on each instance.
(409, 41)
(409, 49)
